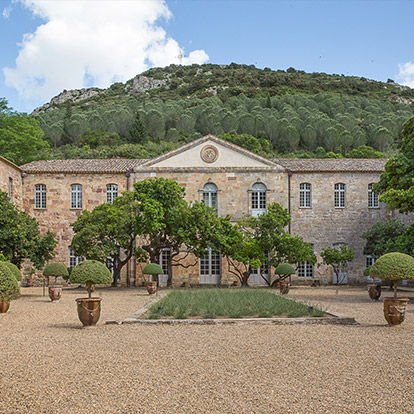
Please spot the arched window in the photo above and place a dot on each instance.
(339, 195)
(111, 192)
(76, 196)
(259, 202)
(305, 195)
(210, 195)
(40, 196)
(373, 199)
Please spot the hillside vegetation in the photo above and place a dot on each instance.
(273, 113)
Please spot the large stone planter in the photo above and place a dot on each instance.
(4, 305)
(394, 310)
(374, 291)
(55, 293)
(89, 310)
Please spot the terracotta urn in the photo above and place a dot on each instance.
(55, 293)
(89, 310)
(284, 287)
(394, 310)
(4, 305)
(151, 287)
(374, 291)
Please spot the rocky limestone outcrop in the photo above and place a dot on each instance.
(141, 84)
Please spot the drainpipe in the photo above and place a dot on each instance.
(289, 176)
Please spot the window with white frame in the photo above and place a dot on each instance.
(305, 269)
(76, 196)
(259, 202)
(339, 195)
(369, 261)
(373, 199)
(165, 256)
(210, 263)
(111, 192)
(74, 260)
(210, 195)
(40, 196)
(305, 195)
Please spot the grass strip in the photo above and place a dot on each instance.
(228, 303)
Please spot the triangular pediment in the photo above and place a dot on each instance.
(210, 152)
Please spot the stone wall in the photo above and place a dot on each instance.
(58, 214)
(11, 178)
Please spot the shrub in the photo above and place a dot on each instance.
(152, 269)
(90, 272)
(56, 269)
(394, 267)
(15, 270)
(285, 269)
(9, 288)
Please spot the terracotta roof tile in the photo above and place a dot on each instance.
(81, 166)
(332, 164)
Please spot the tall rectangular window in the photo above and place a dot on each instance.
(165, 256)
(305, 269)
(40, 196)
(76, 196)
(74, 260)
(210, 195)
(305, 195)
(340, 195)
(111, 192)
(373, 199)
(259, 199)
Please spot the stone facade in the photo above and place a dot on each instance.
(11, 181)
(234, 173)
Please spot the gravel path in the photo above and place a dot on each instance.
(49, 364)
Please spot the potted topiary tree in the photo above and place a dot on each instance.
(394, 267)
(15, 270)
(90, 273)
(9, 288)
(152, 269)
(55, 270)
(283, 271)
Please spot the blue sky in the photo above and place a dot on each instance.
(48, 46)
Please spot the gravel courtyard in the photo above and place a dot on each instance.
(49, 364)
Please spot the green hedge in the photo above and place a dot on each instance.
(9, 288)
(15, 270)
(56, 269)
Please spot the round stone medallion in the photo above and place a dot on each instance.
(209, 153)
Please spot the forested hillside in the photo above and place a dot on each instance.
(274, 113)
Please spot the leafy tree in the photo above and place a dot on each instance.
(20, 236)
(20, 136)
(165, 220)
(396, 184)
(381, 237)
(405, 242)
(108, 231)
(338, 258)
(95, 139)
(253, 241)
(364, 151)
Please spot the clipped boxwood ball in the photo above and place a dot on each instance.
(91, 272)
(393, 266)
(9, 288)
(55, 270)
(152, 269)
(15, 270)
(285, 269)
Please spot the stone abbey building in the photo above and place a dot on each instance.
(330, 200)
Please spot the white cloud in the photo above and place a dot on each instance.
(92, 43)
(406, 74)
